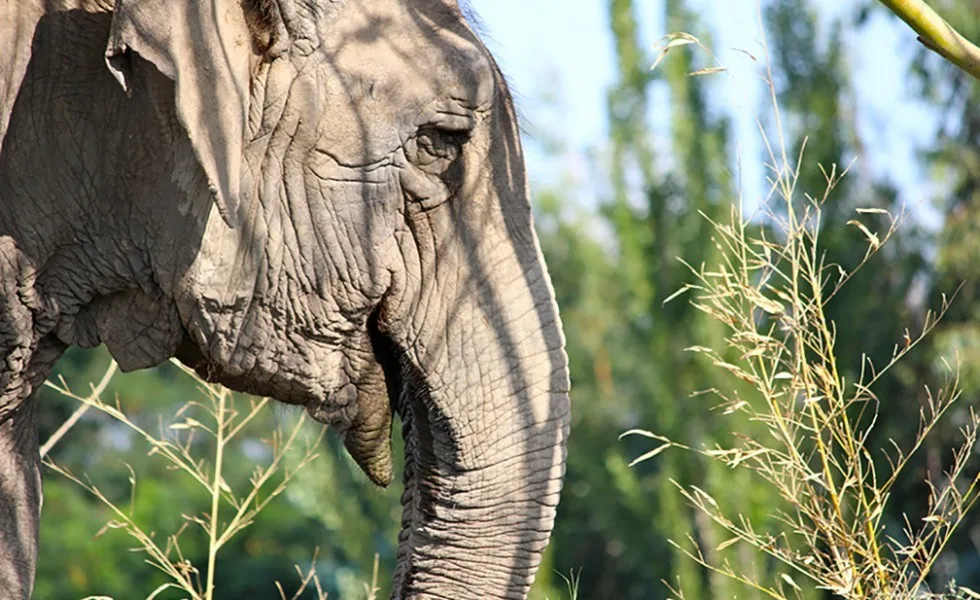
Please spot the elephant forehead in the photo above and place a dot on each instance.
(394, 57)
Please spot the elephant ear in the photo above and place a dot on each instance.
(204, 47)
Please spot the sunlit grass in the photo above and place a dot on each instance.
(770, 289)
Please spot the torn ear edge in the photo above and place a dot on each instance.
(120, 63)
(205, 48)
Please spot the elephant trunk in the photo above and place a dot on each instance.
(483, 472)
(483, 396)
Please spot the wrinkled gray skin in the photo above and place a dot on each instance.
(320, 201)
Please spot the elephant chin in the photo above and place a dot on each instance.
(373, 398)
(372, 454)
(368, 436)
(366, 428)
(359, 410)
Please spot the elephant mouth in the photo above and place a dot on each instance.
(408, 397)
(407, 388)
(393, 385)
(391, 357)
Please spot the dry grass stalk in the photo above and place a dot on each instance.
(223, 418)
(771, 290)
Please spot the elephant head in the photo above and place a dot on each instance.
(349, 230)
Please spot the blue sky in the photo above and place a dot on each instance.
(561, 49)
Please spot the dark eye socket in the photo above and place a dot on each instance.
(439, 143)
(437, 148)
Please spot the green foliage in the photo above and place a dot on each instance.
(143, 511)
(626, 347)
(954, 159)
(628, 368)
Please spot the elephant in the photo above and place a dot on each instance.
(321, 201)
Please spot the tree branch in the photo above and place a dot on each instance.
(937, 35)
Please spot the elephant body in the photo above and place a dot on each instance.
(323, 202)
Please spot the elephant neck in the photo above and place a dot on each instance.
(95, 194)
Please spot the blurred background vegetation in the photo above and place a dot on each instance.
(613, 261)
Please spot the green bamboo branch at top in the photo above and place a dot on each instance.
(937, 35)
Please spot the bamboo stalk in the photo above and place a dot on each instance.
(937, 35)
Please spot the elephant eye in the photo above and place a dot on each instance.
(434, 149)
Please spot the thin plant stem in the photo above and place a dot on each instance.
(97, 391)
(179, 452)
(219, 452)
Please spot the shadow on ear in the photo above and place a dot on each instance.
(204, 47)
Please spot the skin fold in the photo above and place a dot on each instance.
(323, 202)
